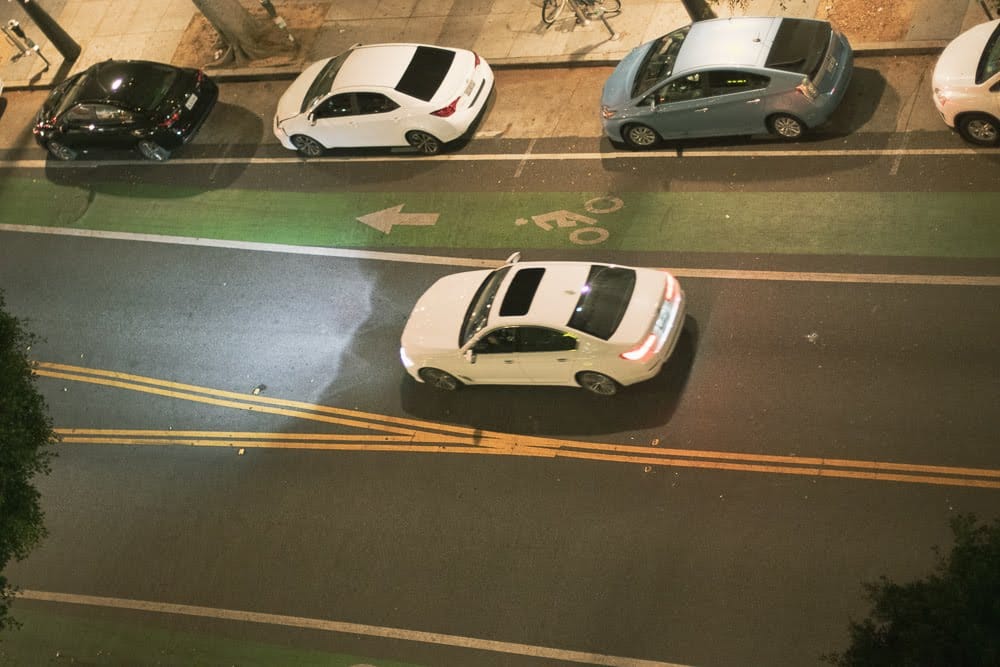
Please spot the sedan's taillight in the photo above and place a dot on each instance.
(607, 112)
(444, 112)
(170, 120)
(642, 351)
(476, 63)
(807, 89)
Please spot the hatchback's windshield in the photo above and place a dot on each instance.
(323, 82)
(659, 63)
(989, 64)
(603, 300)
(479, 309)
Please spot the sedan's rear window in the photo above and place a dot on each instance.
(603, 300)
(800, 46)
(424, 74)
(989, 64)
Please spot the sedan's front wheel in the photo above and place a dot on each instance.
(307, 146)
(424, 142)
(61, 151)
(597, 383)
(640, 136)
(979, 129)
(440, 379)
(786, 126)
(153, 151)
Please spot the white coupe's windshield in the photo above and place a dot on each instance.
(659, 63)
(479, 309)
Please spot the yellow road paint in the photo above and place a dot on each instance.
(417, 436)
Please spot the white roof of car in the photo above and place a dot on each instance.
(375, 65)
(733, 41)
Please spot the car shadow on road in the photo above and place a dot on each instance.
(560, 411)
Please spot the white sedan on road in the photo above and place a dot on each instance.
(597, 326)
(384, 95)
(966, 84)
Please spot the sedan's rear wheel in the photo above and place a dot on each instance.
(979, 129)
(153, 151)
(424, 142)
(440, 379)
(640, 136)
(61, 151)
(786, 126)
(307, 146)
(597, 383)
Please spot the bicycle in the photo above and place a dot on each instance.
(584, 9)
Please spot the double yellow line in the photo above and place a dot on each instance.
(381, 433)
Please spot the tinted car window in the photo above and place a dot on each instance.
(140, 86)
(659, 63)
(603, 300)
(799, 46)
(338, 105)
(989, 64)
(323, 83)
(479, 308)
(499, 341)
(542, 339)
(424, 74)
(727, 81)
(524, 284)
(374, 103)
(686, 88)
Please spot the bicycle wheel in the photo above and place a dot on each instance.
(611, 8)
(551, 10)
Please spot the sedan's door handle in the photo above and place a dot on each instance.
(756, 101)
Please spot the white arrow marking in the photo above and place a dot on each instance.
(385, 219)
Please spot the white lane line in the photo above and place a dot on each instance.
(490, 645)
(508, 157)
(416, 258)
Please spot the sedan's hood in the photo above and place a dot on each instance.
(436, 320)
(290, 104)
(618, 87)
(957, 65)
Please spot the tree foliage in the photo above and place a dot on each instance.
(951, 617)
(26, 437)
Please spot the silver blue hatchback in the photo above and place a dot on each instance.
(740, 75)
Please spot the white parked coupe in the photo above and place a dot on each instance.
(597, 326)
(384, 95)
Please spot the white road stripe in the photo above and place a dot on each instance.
(415, 258)
(346, 628)
(508, 157)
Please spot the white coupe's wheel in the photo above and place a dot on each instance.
(597, 383)
(424, 142)
(440, 379)
(307, 146)
(979, 129)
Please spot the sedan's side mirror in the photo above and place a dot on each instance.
(470, 356)
(312, 117)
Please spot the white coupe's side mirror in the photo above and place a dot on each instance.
(470, 355)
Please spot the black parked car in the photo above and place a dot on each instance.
(154, 107)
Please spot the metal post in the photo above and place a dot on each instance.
(64, 44)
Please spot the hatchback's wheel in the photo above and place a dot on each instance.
(153, 151)
(424, 142)
(440, 379)
(597, 383)
(979, 129)
(60, 151)
(786, 126)
(307, 146)
(640, 136)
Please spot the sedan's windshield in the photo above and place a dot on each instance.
(323, 82)
(989, 64)
(659, 63)
(479, 309)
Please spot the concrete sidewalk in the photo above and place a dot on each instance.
(505, 32)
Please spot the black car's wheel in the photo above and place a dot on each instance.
(786, 126)
(153, 151)
(638, 137)
(307, 146)
(979, 129)
(440, 379)
(424, 142)
(597, 383)
(61, 151)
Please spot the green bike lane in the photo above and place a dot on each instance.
(903, 224)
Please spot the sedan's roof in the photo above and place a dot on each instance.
(737, 41)
(415, 69)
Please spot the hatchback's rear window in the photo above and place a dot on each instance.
(800, 46)
(424, 74)
(603, 300)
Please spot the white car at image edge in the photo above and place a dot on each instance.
(587, 324)
(384, 95)
(966, 84)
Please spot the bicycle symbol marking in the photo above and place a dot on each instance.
(590, 233)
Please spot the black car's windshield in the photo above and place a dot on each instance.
(323, 82)
(989, 64)
(479, 309)
(64, 96)
(659, 62)
(603, 300)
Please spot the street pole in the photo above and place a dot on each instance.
(64, 44)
